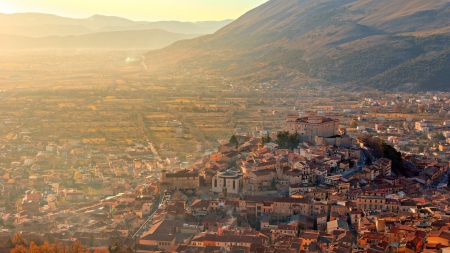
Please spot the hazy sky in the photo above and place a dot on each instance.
(139, 10)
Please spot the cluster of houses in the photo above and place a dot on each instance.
(249, 196)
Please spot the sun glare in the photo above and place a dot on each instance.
(7, 8)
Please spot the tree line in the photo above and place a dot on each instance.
(18, 244)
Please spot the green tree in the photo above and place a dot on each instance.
(287, 140)
(293, 140)
(234, 140)
(438, 137)
(266, 139)
(283, 139)
(91, 240)
(273, 183)
(421, 149)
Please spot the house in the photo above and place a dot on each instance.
(183, 179)
(74, 196)
(337, 224)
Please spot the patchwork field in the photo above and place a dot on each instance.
(97, 94)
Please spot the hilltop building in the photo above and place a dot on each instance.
(313, 125)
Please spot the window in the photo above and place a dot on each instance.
(215, 182)
(234, 184)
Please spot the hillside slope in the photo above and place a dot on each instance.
(381, 43)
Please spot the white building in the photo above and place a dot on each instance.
(231, 180)
(424, 125)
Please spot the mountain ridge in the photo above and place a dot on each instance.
(40, 24)
(140, 39)
(357, 42)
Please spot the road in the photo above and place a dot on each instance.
(145, 224)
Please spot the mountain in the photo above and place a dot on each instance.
(395, 45)
(41, 25)
(146, 39)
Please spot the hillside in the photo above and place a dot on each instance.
(386, 44)
(42, 25)
(146, 39)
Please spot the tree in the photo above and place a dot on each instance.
(101, 250)
(77, 247)
(59, 247)
(293, 140)
(18, 240)
(421, 149)
(114, 247)
(266, 139)
(283, 139)
(273, 183)
(176, 194)
(421, 108)
(438, 137)
(34, 248)
(91, 240)
(353, 123)
(287, 140)
(234, 140)
(19, 249)
(199, 193)
(9, 243)
(380, 149)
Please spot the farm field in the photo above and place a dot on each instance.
(98, 95)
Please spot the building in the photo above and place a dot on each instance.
(313, 125)
(230, 181)
(183, 179)
(424, 125)
(74, 196)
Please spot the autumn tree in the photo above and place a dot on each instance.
(20, 249)
(421, 108)
(353, 123)
(77, 247)
(102, 250)
(18, 240)
(34, 248)
(59, 247)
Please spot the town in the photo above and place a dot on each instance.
(310, 187)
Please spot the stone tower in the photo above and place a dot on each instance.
(279, 169)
